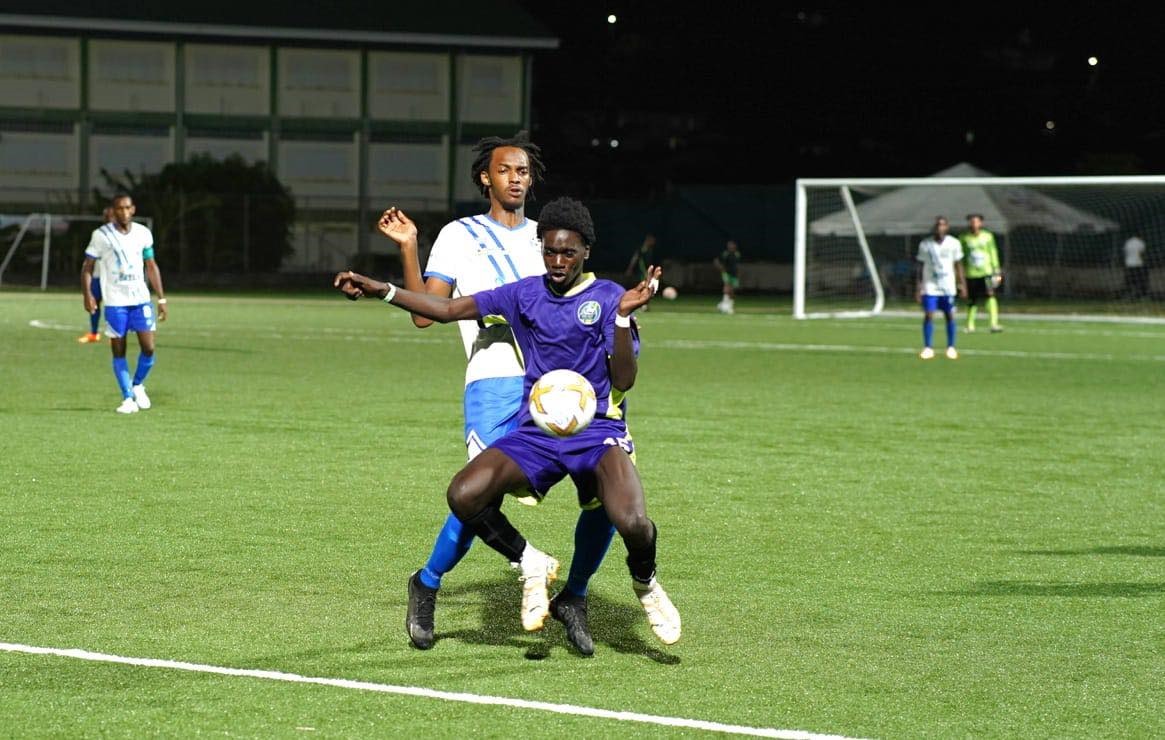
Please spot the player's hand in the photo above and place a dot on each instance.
(162, 311)
(997, 279)
(918, 295)
(639, 296)
(397, 226)
(963, 292)
(356, 286)
(90, 304)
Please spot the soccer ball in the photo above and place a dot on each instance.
(562, 403)
(670, 293)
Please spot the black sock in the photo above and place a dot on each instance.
(495, 530)
(641, 560)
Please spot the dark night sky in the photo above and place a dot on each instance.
(766, 92)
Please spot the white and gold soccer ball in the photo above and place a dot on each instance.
(562, 403)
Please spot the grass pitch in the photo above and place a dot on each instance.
(860, 542)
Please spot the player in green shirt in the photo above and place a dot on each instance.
(981, 259)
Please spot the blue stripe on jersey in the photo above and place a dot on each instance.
(481, 245)
(498, 242)
(498, 269)
(439, 276)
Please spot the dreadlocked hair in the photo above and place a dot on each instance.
(569, 214)
(484, 149)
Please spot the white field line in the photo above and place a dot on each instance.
(454, 696)
(672, 344)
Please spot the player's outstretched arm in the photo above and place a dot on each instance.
(438, 308)
(623, 364)
(397, 226)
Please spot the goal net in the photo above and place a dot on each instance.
(37, 244)
(1087, 245)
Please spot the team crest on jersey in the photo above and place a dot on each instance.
(589, 312)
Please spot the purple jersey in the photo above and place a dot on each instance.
(575, 331)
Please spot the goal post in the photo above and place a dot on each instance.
(1065, 242)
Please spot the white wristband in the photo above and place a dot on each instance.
(161, 301)
(390, 294)
(623, 321)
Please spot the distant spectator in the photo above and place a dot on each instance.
(728, 263)
(642, 258)
(1136, 272)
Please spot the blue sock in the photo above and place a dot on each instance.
(94, 320)
(145, 362)
(927, 332)
(951, 331)
(452, 543)
(592, 537)
(121, 372)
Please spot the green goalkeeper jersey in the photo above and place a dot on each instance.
(980, 255)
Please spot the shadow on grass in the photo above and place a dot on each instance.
(1041, 588)
(612, 623)
(1144, 551)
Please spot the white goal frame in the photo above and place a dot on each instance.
(46, 245)
(801, 227)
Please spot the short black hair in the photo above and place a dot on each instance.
(484, 150)
(118, 196)
(975, 215)
(569, 214)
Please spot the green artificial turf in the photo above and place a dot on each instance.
(859, 542)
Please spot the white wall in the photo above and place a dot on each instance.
(131, 76)
(408, 87)
(134, 152)
(400, 172)
(319, 168)
(40, 71)
(318, 83)
(38, 160)
(229, 80)
(489, 89)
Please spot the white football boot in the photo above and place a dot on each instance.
(128, 406)
(952, 353)
(661, 613)
(926, 353)
(139, 395)
(538, 571)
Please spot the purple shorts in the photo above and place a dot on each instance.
(546, 460)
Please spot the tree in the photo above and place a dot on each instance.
(213, 215)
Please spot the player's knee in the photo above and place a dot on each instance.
(463, 494)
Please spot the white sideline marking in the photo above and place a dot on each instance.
(691, 344)
(695, 724)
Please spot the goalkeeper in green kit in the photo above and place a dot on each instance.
(981, 258)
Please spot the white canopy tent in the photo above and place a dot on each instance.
(908, 211)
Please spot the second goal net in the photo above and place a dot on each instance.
(1066, 244)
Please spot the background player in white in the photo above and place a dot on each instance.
(124, 251)
(471, 255)
(92, 336)
(940, 275)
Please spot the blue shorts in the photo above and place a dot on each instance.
(546, 459)
(123, 319)
(95, 288)
(492, 406)
(944, 303)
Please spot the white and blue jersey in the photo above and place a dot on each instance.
(938, 260)
(474, 254)
(120, 265)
